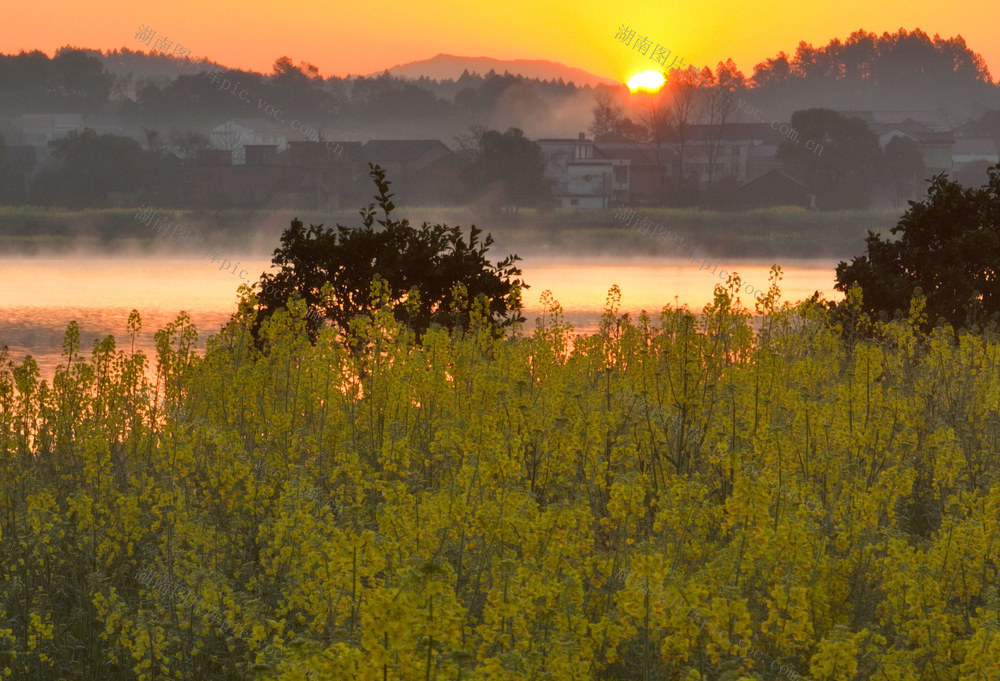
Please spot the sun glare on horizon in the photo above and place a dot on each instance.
(647, 80)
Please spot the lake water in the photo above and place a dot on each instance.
(39, 296)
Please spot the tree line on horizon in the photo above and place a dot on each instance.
(813, 89)
(178, 112)
(878, 71)
(844, 173)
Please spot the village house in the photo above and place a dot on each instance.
(974, 150)
(305, 175)
(935, 145)
(235, 134)
(422, 172)
(607, 174)
(584, 176)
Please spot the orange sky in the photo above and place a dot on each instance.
(342, 38)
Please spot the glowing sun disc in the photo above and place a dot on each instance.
(647, 80)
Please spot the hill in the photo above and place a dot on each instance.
(445, 66)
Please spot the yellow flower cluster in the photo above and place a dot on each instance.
(501, 509)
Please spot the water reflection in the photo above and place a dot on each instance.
(40, 296)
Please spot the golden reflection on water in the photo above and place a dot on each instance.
(40, 296)
(581, 284)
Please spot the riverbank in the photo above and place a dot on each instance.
(769, 233)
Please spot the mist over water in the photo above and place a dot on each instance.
(41, 295)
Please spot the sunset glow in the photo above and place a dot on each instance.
(337, 37)
(647, 80)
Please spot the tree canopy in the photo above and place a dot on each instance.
(88, 165)
(610, 122)
(948, 247)
(430, 275)
(887, 59)
(510, 171)
(902, 168)
(843, 174)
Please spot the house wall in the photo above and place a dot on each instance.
(581, 180)
(434, 176)
(937, 156)
(438, 182)
(589, 182)
(235, 136)
(434, 153)
(731, 160)
(557, 159)
(962, 159)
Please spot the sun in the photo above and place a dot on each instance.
(647, 80)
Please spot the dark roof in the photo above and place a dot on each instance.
(730, 132)
(639, 153)
(254, 123)
(735, 131)
(352, 149)
(918, 130)
(400, 150)
(775, 174)
(595, 150)
(882, 117)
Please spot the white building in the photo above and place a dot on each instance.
(935, 145)
(236, 133)
(40, 129)
(972, 150)
(585, 178)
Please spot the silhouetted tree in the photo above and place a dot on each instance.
(772, 71)
(510, 171)
(987, 124)
(719, 104)
(948, 246)
(651, 112)
(468, 144)
(903, 166)
(843, 173)
(154, 140)
(421, 267)
(681, 112)
(79, 80)
(189, 142)
(87, 166)
(610, 122)
(385, 97)
(70, 81)
(285, 70)
(906, 69)
(858, 55)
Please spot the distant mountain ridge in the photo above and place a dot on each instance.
(445, 66)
